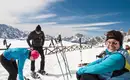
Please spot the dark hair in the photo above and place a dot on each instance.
(38, 28)
(117, 35)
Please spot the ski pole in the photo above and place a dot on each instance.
(80, 50)
(64, 63)
(64, 56)
(58, 59)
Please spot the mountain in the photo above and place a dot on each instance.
(9, 32)
(85, 39)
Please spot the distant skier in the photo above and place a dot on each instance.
(38, 38)
(9, 57)
(127, 47)
(111, 65)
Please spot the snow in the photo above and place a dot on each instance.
(52, 66)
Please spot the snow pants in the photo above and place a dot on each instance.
(42, 63)
(11, 67)
(87, 77)
(125, 76)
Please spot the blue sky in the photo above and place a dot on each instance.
(67, 17)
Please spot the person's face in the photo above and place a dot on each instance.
(126, 46)
(112, 45)
(31, 58)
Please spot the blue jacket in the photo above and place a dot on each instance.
(105, 66)
(20, 54)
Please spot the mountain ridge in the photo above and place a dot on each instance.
(9, 32)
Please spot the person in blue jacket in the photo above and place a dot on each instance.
(9, 57)
(111, 65)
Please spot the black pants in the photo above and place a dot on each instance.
(42, 63)
(86, 76)
(11, 67)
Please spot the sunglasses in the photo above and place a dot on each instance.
(113, 43)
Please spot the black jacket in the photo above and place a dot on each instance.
(37, 39)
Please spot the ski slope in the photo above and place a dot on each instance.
(51, 65)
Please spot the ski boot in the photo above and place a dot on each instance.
(25, 78)
(34, 75)
(42, 72)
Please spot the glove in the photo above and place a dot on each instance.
(78, 76)
(31, 48)
(81, 70)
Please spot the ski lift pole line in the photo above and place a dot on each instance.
(65, 57)
(58, 59)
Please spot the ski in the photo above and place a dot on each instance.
(58, 40)
(64, 56)
(58, 59)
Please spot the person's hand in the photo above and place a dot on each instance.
(31, 48)
(80, 65)
(78, 76)
(12, 59)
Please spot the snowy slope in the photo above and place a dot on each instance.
(52, 65)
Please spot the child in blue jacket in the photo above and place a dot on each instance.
(112, 65)
(9, 57)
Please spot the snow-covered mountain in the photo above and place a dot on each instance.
(93, 40)
(85, 39)
(9, 32)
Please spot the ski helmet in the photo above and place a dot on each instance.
(34, 54)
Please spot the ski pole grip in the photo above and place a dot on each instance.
(4, 42)
(59, 38)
